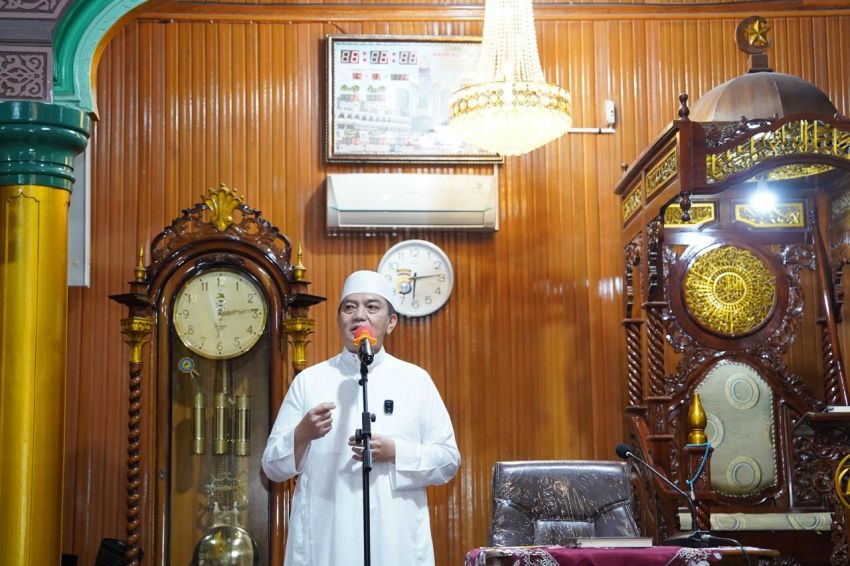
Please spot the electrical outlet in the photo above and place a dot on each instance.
(610, 113)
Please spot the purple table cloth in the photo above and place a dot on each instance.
(565, 556)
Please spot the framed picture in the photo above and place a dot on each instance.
(388, 98)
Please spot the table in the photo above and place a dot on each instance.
(649, 556)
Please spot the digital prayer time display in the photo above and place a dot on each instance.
(378, 57)
(388, 98)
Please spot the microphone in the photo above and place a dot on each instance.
(364, 339)
(692, 539)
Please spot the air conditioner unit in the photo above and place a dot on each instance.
(367, 201)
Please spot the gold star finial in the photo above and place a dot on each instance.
(757, 33)
(752, 35)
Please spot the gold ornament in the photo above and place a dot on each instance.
(665, 171)
(840, 481)
(730, 291)
(632, 202)
(792, 138)
(222, 202)
(756, 33)
(701, 213)
(751, 35)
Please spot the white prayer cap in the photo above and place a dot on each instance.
(368, 282)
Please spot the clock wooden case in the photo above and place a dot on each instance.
(218, 296)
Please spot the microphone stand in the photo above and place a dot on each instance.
(692, 539)
(364, 435)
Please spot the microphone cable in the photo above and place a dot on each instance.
(691, 481)
(746, 556)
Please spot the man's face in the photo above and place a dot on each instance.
(358, 309)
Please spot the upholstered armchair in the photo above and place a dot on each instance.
(550, 502)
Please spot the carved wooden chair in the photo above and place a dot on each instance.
(552, 502)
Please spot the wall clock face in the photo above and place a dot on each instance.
(421, 275)
(220, 314)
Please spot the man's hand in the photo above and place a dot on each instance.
(316, 423)
(383, 448)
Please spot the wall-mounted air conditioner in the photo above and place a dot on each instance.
(366, 201)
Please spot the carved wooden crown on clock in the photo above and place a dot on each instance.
(218, 301)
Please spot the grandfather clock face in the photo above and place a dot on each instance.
(220, 314)
(220, 388)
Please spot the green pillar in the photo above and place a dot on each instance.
(38, 142)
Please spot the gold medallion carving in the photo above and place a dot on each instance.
(729, 290)
(841, 481)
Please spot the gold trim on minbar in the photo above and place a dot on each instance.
(783, 215)
(792, 138)
(797, 170)
(665, 171)
(701, 213)
(631, 203)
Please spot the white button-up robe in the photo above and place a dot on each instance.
(326, 523)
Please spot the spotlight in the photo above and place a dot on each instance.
(763, 200)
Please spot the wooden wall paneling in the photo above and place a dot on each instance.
(577, 392)
(838, 60)
(239, 6)
(526, 353)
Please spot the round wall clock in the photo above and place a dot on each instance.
(421, 275)
(220, 314)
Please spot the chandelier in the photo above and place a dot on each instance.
(512, 110)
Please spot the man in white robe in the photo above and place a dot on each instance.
(413, 446)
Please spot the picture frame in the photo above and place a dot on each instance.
(388, 99)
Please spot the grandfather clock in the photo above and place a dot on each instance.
(218, 302)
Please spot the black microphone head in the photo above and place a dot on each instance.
(623, 450)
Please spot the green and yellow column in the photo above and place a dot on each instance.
(38, 143)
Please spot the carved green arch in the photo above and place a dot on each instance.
(82, 28)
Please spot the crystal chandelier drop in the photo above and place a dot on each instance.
(512, 110)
